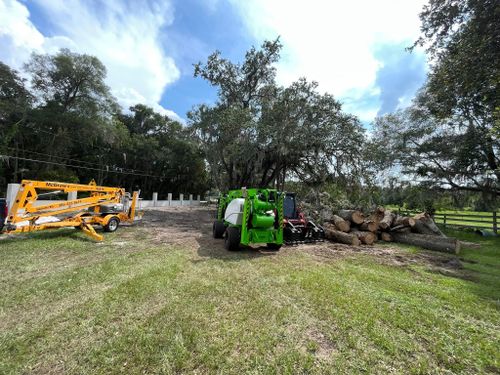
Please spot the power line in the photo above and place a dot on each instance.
(106, 149)
(65, 158)
(78, 166)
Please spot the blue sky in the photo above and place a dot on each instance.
(354, 49)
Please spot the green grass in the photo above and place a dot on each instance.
(135, 305)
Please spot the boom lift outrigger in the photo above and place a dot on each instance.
(105, 206)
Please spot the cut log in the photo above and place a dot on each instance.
(368, 238)
(421, 228)
(387, 220)
(384, 236)
(424, 224)
(369, 225)
(431, 242)
(472, 245)
(341, 224)
(354, 216)
(378, 214)
(404, 220)
(401, 229)
(342, 237)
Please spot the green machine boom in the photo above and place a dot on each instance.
(250, 216)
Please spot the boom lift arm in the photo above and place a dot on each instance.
(88, 211)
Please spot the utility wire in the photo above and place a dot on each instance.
(64, 158)
(78, 166)
(106, 149)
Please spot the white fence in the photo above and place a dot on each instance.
(12, 190)
(169, 202)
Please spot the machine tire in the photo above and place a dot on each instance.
(218, 229)
(232, 239)
(273, 246)
(112, 224)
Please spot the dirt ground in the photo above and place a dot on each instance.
(191, 229)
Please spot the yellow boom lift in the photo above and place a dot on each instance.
(104, 206)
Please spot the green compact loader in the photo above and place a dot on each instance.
(250, 216)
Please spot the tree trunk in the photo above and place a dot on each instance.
(404, 220)
(341, 224)
(384, 236)
(387, 220)
(471, 245)
(354, 216)
(421, 228)
(368, 238)
(369, 225)
(378, 215)
(431, 242)
(342, 237)
(424, 224)
(401, 229)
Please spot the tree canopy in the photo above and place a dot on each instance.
(259, 133)
(66, 125)
(449, 137)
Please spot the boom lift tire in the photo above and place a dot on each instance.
(112, 224)
(232, 239)
(218, 229)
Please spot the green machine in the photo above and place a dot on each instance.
(250, 216)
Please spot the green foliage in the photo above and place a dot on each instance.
(449, 135)
(57, 174)
(260, 134)
(77, 129)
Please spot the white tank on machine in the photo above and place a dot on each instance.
(234, 211)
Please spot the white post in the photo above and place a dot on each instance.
(169, 199)
(181, 198)
(155, 199)
(198, 198)
(190, 199)
(72, 195)
(12, 190)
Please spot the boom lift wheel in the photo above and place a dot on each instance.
(112, 224)
(232, 239)
(218, 229)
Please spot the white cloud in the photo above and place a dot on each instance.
(125, 37)
(332, 42)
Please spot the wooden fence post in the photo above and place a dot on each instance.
(495, 226)
(444, 220)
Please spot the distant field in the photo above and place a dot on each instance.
(165, 297)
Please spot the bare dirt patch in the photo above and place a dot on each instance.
(191, 229)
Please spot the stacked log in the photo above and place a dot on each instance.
(335, 235)
(387, 220)
(367, 238)
(354, 216)
(341, 224)
(386, 237)
(425, 225)
(369, 225)
(353, 227)
(405, 221)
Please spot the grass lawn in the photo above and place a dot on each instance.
(136, 305)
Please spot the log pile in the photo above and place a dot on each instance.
(353, 227)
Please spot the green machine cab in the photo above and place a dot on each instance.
(250, 216)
